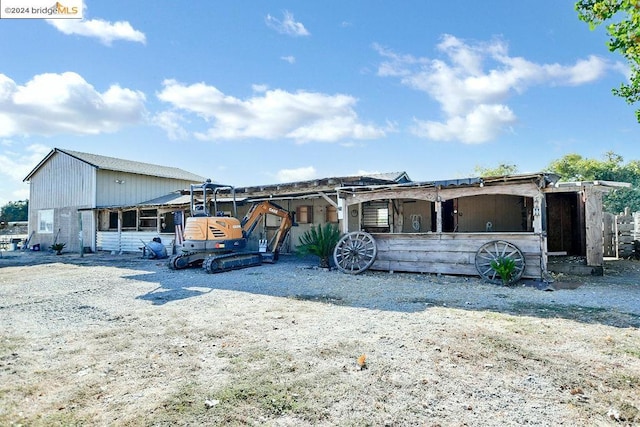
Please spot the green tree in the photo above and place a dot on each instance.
(500, 170)
(15, 211)
(623, 26)
(574, 167)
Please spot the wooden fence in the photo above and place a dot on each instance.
(619, 232)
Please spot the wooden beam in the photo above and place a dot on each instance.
(329, 200)
(432, 193)
(593, 224)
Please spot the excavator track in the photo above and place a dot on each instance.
(186, 260)
(232, 261)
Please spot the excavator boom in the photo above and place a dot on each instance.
(257, 212)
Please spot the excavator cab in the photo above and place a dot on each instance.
(207, 232)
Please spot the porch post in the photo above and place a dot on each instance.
(593, 224)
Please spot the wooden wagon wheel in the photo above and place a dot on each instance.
(355, 252)
(495, 250)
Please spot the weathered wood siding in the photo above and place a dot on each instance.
(450, 253)
(501, 212)
(593, 225)
(624, 228)
(416, 216)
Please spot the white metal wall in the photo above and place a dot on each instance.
(62, 182)
(121, 188)
(130, 241)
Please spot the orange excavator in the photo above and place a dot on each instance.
(218, 242)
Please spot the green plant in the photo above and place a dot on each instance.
(58, 247)
(504, 266)
(319, 241)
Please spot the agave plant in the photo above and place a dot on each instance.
(319, 241)
(58, 247)
(504, 266)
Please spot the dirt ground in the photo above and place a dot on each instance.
(118, 340)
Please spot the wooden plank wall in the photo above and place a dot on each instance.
(625, 231)
(450, 253)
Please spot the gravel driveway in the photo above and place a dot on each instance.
(119, 340)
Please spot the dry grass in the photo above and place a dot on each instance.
(106, 357)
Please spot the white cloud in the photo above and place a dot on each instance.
(480, 125)
(583, 71)
(362, 172)
(274, 114)
(51, 104)
(290, 59)
(15, 164)
(171, 121)
(259, 88)
(473, 81)
(294, 175)
(287, 26)
(106, 32)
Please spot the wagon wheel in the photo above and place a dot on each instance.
(494, 250)
(355, 252)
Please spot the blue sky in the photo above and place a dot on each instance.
(257, 92)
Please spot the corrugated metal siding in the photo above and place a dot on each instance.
(63, 184)
(121, 188)
(130, 241)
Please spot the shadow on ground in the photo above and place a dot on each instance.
(298, 279)
(583, 299)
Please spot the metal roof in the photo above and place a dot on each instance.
(122, 165)
(542, 179)
(323, 184)
(177, 199)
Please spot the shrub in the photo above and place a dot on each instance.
(504, 266)
(319, 241)
(58, 247)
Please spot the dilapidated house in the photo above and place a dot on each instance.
(446, 226)
(312, 202)
(455, 226)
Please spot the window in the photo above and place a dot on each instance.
(375, 216)
(304, 214)
(149, 219)
(129, 219)
(113, 220)
(45, 221)
(331, 214)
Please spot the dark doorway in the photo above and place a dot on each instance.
(449, 215)
(565, 224)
